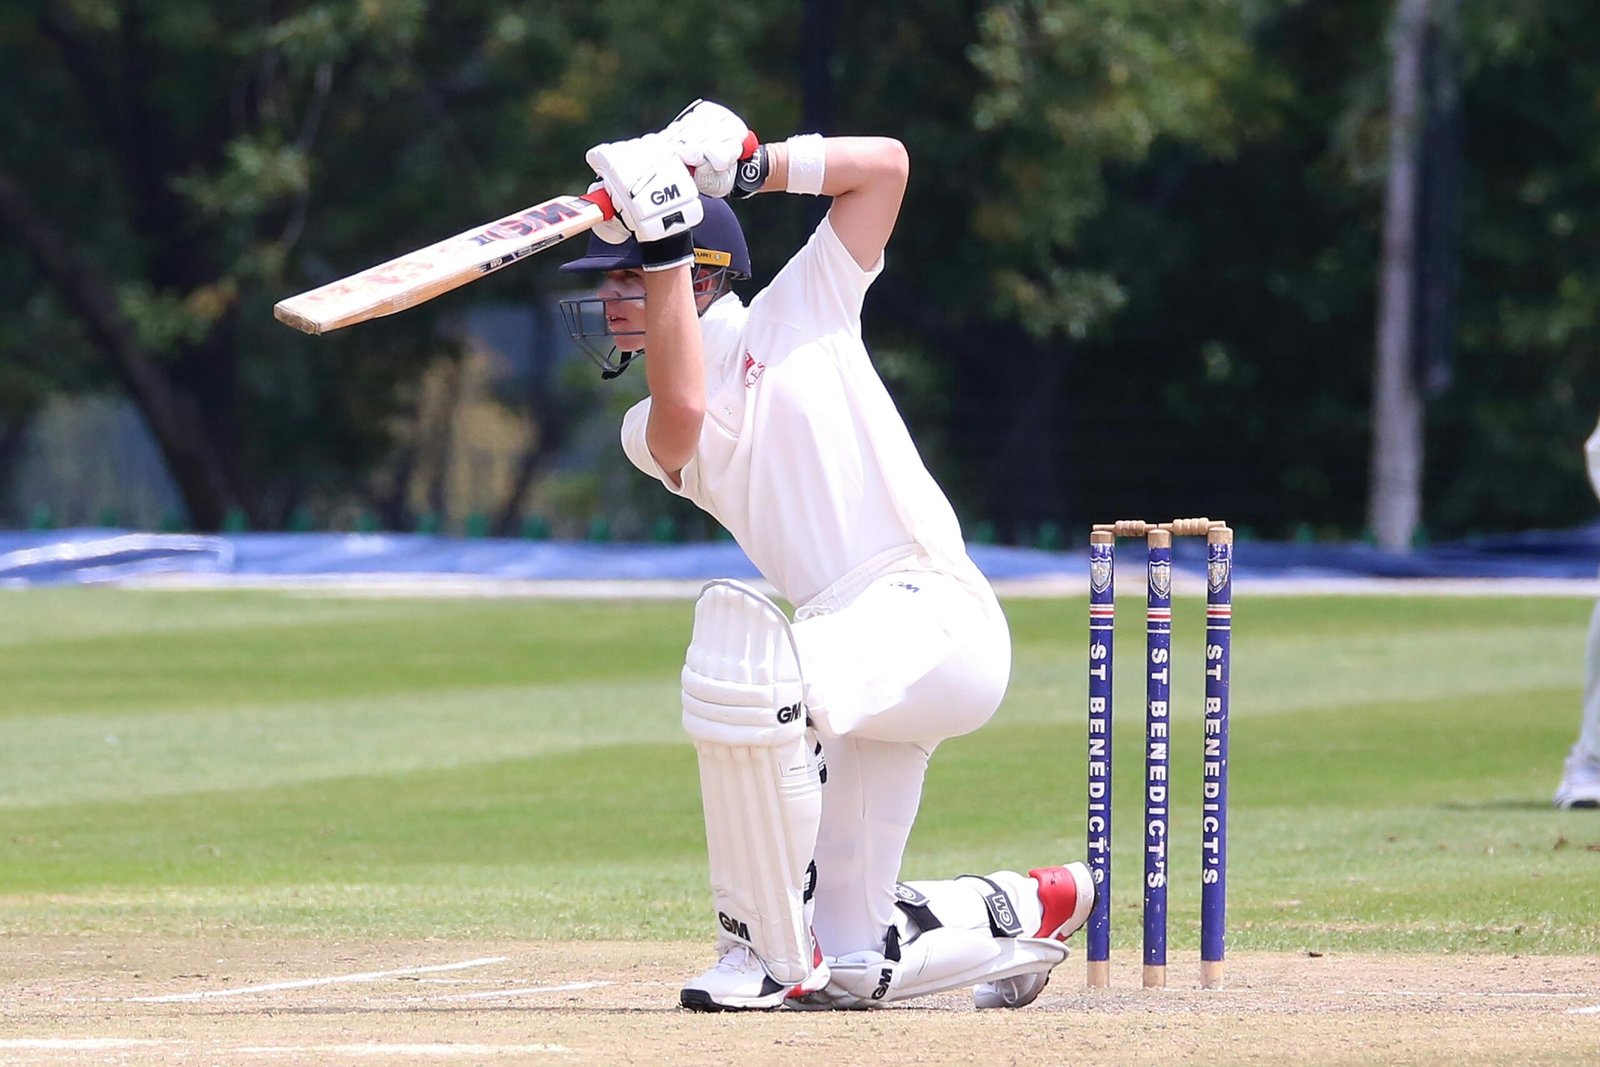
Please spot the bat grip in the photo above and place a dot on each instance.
(602, 199)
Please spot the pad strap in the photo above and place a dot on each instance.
(1002, 911)
(914, 903)
(1003, 921)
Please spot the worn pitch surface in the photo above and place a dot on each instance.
(232, 1000)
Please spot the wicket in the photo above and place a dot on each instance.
(1158, 688)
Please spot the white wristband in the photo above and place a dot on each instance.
(686, 261)
(807, 162)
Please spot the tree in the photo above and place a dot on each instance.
(1231, 372)
(1096, 113)
(1135, 274)
(1019, 116)
(159, 204)
(202, 161)
(1506, 438)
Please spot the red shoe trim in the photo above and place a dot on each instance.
(799, 988)
(1058, 892)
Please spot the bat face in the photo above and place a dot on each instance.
(534, 220)
(426, 273)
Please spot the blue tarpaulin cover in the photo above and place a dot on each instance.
(53, 557)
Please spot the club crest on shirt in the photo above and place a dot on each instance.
(752, 370)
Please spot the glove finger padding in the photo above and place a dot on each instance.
(649, 186)
(710, 138)
(613, 230)
(713, 182)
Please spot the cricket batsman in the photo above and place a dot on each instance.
(813, 735)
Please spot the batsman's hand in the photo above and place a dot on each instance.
(649, 185)
(612, 231)
(709, 139)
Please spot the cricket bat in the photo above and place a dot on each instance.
(420, 276)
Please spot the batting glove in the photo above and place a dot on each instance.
(613, 230)
(652, 192)
(709, 139)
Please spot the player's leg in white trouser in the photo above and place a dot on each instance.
(742, 705)
(914, 659)
(868, 807)
(1589, 732)
(1580, 779)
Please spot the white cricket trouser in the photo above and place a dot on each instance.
(1589, 730)
(917, 657)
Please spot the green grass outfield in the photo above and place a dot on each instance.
(283, 764)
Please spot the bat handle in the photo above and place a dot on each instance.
(602, 199)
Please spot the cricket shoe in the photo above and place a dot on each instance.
(1066, 894)
(739, 982)
(1580, 782)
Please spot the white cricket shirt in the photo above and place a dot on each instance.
(803, 456)
(1591, 452)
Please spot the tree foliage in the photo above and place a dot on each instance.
(178, 167)
(1506, 438)
(1135, 273)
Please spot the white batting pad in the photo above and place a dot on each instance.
(937, 961)
(952, 933)
(758, 777)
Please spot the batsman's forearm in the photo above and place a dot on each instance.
(777, 169)
(866, 176)
(852, 163)
(674, 367)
